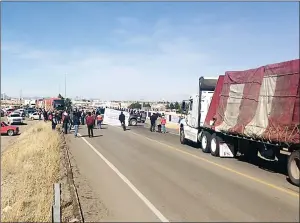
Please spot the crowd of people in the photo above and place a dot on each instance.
(158, 120)
(73, 119)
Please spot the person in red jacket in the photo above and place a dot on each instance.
(163, 124)
(90, 121)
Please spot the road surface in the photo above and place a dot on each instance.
(143, 176)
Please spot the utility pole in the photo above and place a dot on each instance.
(20, 96)
(65, 85)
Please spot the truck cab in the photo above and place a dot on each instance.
(195, 110)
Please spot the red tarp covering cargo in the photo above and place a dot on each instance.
(262, 103)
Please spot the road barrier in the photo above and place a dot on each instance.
(174, 118)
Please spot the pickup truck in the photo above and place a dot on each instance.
(9, 129)
(136, 118)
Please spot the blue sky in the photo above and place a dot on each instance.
(138, 50)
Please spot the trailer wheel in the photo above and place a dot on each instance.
(205, 141)
(215, 145)
(293, 167)
(182, 137)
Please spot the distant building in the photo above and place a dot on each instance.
(29, 102)
(158, 107)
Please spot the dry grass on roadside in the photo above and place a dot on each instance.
(29, 168)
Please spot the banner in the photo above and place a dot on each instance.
(111, 117)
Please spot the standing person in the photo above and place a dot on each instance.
(158, 122)
(94, 116)
(76, 123)
(50, 117)
(78, 113)
(163, 124)
(45, 114)
(58, 117)
(99, 120)
(71, 121)
(54, 121)
(122, 120)
(90, 124)
(40, 115)
(152, 122)
(66, 121)
(82, 117)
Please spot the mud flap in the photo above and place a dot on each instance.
(225, 150)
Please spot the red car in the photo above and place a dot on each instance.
(9, 129)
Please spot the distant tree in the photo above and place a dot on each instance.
(60, 96)
(68, 104)
(135, 105)
(177, 106)
(167, 106)
(172, 106)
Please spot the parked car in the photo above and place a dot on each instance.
(35, 116)
(20, 110)
(29, 111)
(9, 129)
(8, 111)
(2, 113)
(15, 118)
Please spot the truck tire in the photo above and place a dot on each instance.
(182, 137)
(293, 167)
(10, 132)
(215, 145)
(133, 122)
(205, 141)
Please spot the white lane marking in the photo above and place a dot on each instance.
(158, 214)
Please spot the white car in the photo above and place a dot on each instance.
(35, 116)
(15, 118)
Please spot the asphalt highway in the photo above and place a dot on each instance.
(144, 176)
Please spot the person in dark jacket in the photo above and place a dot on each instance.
(82, 117)
(122, 118)
(153, 118)
(76, 123)
(45, 114)
(66, 122)
(54, 121)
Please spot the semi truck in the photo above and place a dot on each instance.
(253, 113)
(54, 104)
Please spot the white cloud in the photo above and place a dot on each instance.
(163, 61)
(127, 21)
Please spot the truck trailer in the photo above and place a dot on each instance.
(254, 113)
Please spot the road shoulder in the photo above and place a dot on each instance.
(103, 195)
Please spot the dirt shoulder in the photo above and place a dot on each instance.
(35, 161)
(92, 208)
